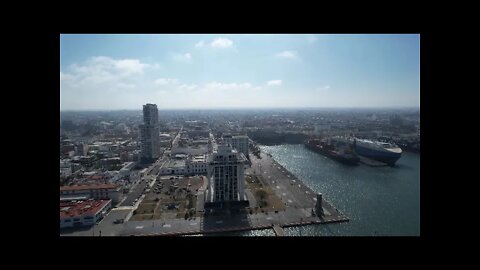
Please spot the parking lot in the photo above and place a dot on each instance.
(169, 197)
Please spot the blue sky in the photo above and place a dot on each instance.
(111, 72)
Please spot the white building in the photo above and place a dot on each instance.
(93, 191)
(127, 167)
(239, 142)
(150, 133)
(174, 167)
(197, 164)
(76, 213)
(226, 175)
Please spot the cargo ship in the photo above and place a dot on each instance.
(381, 151)
(343, 155)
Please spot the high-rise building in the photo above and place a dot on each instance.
(239, 142)
(150, 134)
(226, 175)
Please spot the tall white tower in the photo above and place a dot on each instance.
(150, 133)
(226, 175)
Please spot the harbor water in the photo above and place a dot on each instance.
(380, 201)
(383, 201)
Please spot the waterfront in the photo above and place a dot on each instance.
(378, 200)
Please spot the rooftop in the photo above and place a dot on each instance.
(75, 208)
(87, 187)
(175, 163)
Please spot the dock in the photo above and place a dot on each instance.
(300, 208)
(278, 230)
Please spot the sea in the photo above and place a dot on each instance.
(380, 201)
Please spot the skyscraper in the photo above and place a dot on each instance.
(226, 175)
(150, 134)
(239, 142)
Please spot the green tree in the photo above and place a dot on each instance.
(262, 195)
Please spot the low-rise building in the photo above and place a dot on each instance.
(92, 191)
(77, 213)
(174, 166)
(197, 164)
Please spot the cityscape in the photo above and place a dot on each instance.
(233, 165)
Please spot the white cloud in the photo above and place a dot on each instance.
(104, 82)
(188, 86)
(227, 86)
(186, 57)
(199, 44)
(107, 64)
(130, 65)
(275, 82)
(126, 85)
(221, 43)
(287, 55)
(101, 71)
(165, 81)
(323, 88)
(66, 76)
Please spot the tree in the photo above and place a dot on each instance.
(261, 194)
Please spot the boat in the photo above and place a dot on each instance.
(340, 154)
(381, 151)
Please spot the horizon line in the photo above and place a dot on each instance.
(242, 108)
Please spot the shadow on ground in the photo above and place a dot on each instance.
(223, 219)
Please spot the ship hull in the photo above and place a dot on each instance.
(345, 160)
(383, 156)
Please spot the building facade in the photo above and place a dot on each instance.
(226, 175)
(150, 134)
(239, 142)
(197, 165)
(93, 191)
(78, 213)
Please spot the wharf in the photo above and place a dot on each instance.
(298, 209)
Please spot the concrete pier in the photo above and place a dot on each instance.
(301, 206)
(278, 230)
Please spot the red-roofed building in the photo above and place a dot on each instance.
(75, 213)
(93, 191)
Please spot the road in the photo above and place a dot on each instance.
(106, 226)
(137, 190)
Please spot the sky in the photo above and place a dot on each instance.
(114, 72)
